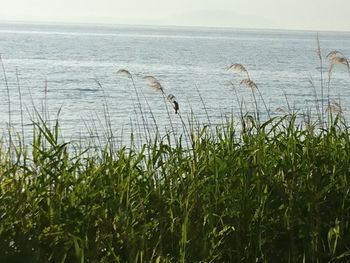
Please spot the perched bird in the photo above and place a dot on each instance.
(173, 101)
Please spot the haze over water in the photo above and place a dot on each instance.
(68, 60)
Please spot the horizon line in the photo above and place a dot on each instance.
(87, 23)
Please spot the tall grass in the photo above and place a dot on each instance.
(277, 192)
(274, 190)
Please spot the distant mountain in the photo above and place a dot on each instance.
(219, 18)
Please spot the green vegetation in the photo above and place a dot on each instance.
(252, 191)
(278, 192)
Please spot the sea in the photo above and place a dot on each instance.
(70, 72)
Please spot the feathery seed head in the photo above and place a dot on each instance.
(124, 72)
(238, 68)
(249, 84)
(334, 108)
(340, 60)
(154, 83)
(336, 58)
(333, 54)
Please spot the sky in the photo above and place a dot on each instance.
(279, 14)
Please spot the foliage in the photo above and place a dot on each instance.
(276, 192)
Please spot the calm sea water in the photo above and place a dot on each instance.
(68, 60)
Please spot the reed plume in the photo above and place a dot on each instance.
(154, 83)
(249, 84)
(333, 54)
(124, 72)
(336, 58)
(335, 107)
(340, 61)
(238, 68)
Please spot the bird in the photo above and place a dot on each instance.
(174, 102)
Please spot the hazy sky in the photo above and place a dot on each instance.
(286, 14)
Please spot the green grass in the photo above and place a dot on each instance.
(276, 192)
